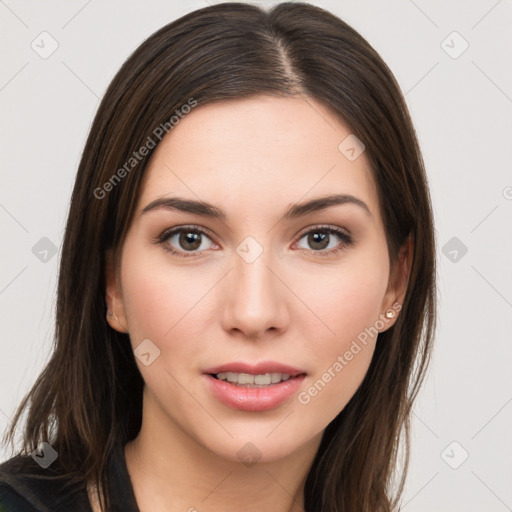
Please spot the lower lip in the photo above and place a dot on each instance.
(253, 399)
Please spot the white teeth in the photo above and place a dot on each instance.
(276, 377)
(248, 380)
(263, 379)
(245, 378)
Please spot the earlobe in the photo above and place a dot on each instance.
(115, 313)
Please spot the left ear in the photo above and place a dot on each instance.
(397, 287)
(113, 296)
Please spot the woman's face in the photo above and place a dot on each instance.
(267, 286)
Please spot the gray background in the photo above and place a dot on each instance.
(461, 104)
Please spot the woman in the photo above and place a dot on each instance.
(247, 280)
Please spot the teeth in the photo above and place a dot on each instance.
(263, 380)
(248, 380)
(243, 378)
(276, 377)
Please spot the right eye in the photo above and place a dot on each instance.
(184, 241)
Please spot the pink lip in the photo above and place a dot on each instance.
(252, 398)
(257, 369)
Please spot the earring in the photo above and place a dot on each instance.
(390, 313)
(110, 314)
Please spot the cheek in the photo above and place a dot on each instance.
(348, 302)
(345, 300)
(164, 305)
(157, 298)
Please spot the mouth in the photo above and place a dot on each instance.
(259, 387)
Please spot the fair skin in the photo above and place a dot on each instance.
(252, 159)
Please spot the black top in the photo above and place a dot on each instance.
(22, 491)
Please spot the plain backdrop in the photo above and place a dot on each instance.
(452, 61)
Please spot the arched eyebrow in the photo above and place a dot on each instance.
(294, 211)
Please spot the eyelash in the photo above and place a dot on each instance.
(346, 239)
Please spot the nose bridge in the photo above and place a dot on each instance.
(255, 300)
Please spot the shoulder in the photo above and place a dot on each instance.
(27, 487)
(11, 501)
(16, 491)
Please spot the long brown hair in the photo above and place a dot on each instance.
(89, 396)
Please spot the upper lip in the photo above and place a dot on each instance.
(255, 369)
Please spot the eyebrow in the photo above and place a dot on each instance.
(295, 211)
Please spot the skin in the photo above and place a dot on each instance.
(252, 158)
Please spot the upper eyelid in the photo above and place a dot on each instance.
(324, 227)
(166, 233)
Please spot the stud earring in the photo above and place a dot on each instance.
(110, 314)
(390, 314)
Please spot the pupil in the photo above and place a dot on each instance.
(190, 238)
(317, 238)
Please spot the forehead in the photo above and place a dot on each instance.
(261, 152)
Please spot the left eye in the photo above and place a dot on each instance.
(319, 238)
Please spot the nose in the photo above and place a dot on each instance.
(255, 296)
